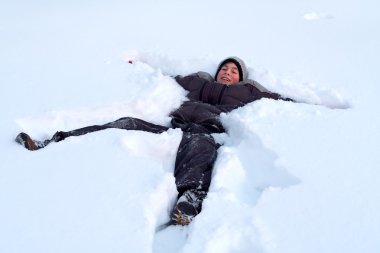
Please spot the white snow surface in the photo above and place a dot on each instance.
(290, 177)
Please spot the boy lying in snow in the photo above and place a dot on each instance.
(198, 118)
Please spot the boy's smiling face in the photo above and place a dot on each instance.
(228, 74)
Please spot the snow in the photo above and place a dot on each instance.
(290, 177)
(317, 16)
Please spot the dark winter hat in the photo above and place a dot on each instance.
(243, 71)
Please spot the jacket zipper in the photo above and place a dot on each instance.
(221, 93)
(201, 92)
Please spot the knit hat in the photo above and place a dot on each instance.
(243, 71)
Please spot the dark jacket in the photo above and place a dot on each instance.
(208, 99)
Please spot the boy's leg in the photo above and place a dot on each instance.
(194, 162)
(129, 123)
(126, 123)
(193, 168)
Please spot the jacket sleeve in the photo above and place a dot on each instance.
(193, 81)
(184, 81)
(261, 92)
(276, 96)
(256, 84)
(264, 92)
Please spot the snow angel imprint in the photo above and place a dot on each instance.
(198, 118)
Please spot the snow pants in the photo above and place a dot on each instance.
(195, 158)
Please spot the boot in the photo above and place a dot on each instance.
(27, 142)
(187, 207)
(183, 213)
